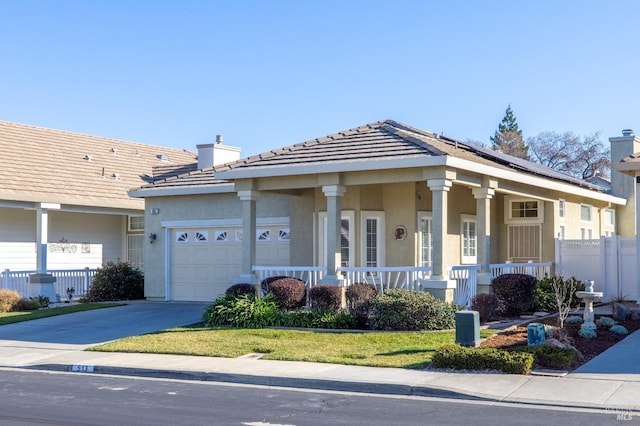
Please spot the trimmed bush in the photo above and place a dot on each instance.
(587, 333)
(264, 284)
(116, 281)
(605, 322)
(551, 356)
(9, 300)
(516, 290)
(488, 306)
(241, 289)
(401, 309)
(619, 329)
(28, 305)
(574, 320)
(460, 358)
(246, 311)
(289, 293)
(326, 297)
(359, 298)
(317, 319)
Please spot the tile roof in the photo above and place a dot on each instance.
(379, 141)
(47, 165)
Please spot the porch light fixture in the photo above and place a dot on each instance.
(152, 238)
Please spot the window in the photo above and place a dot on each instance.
(586, 233)
(201, 236)
(284, 234)
(585, 213)
(136, 223)
(519, 211)
(347, 242)
(524, 209)
(561, 209)
(562, 232)
(221, 236)
(182, 237)
(609, 217)
(135, 244)
(469, 240)
(263, 235)
(425, 226)
(372, 239)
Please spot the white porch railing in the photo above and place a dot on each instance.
(466, 278)
(79, 279)
(408, 277)
(309, 274)
(538, 270)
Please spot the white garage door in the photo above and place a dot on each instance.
(204, 261)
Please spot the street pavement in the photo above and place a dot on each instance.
(610, 381)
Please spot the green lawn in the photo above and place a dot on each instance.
(12, 317)
(375, 349)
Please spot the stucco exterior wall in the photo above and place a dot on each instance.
(193, 208)
(399, 204)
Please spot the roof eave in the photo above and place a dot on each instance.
(219, 188)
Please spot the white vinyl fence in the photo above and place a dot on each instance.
(78, 279)
(611, 262)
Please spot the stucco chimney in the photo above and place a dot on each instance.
(622, 185)
(214, 154)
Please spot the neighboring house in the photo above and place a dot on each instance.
(380, 195)
(70, 190)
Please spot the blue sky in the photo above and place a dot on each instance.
(266, 74)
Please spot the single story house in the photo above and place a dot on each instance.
(64, 201)
(380, 195)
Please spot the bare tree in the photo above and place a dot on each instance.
(564, 291)
(568, 153)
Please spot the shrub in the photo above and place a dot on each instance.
(265, 283)
(43, 301)
(246, 311)
(556, 294)
(289, 293)
(574, 320)
(489, 306)
(359, 298)
(619, 329)
(27, 305)
(460, 358)
(605, 322)
(241, 289)
(551, 356)
(516, 290)
(116, 281)
(587, 333)
(326, 297)
(9, 300)
(317, 319)
(411, 310)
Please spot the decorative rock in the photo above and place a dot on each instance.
(535, 334)
(635, 314)
(621, 312)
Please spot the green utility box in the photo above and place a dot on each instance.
(468, 328)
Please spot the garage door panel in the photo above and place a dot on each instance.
(202, 270)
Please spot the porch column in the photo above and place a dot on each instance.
(42, 284)
(248, 200)
(334, 195)
(483, 229)
(439, 285)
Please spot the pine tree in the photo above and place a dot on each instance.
(508, 138)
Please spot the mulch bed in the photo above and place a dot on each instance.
(589, 348)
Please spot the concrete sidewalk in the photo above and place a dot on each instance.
(591, 386)
(609, 381)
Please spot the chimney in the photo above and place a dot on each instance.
(214, 154)
(623, 185)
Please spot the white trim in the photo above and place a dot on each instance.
(510, 220)
(468, 260)
(422, 215)
(218, 188)
(167, 264)
(262, 221)
(350, 216)
(380, 230)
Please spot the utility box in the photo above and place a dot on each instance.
(535, 334)
(468, 328)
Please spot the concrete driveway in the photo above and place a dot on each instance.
(102, 325)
